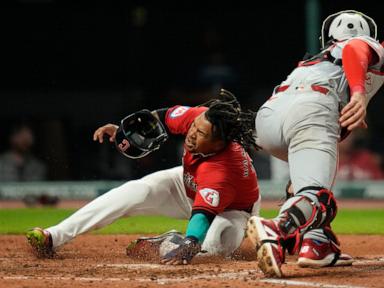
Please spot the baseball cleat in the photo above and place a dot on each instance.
(148, 247)
(265, 235)
(317, 254)
(41, 242)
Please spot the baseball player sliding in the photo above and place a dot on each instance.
(215, 188)
(320, 102)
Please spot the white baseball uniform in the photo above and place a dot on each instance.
(160, 193)
(299, 123)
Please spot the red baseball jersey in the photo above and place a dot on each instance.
(223, 181)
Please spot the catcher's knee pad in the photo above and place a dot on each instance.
(311, 207)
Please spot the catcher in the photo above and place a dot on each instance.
(322, 100)
(216, 187)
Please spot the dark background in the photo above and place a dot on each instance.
(68, 68)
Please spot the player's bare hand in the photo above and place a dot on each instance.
(108, 129)
(353, 114)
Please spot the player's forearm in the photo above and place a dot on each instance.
(198, 226)
(357, 55)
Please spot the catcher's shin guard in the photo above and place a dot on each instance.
(311, 207)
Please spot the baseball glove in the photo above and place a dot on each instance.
(183, 254)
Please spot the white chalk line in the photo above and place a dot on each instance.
(226, 275)
(305, 283)
(157, 266)
(369, 261)
(165, 267)
(136, 266)
(159, 280)
(162, 281)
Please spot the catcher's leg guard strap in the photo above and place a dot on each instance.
(297, 213)
(328, 206)
(334, 242)
(311, 207)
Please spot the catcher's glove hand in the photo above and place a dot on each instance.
(183, 254)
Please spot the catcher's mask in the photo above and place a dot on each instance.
(140, 134)
(346, 24)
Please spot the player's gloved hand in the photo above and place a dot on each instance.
(183, 254)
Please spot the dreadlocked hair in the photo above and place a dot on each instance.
(229, 123)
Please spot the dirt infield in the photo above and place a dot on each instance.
(100, 261)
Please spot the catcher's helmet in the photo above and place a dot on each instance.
(346, 24)
(140, 134)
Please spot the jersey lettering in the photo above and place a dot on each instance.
(189, 181)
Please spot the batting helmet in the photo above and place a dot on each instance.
(140, 134)
(346, 24)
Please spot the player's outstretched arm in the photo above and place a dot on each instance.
(357, 56)
(108, 129)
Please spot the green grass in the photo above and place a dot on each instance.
(17, 221)
(359, 222)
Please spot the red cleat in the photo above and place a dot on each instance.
(316, 254)
(265, 235)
